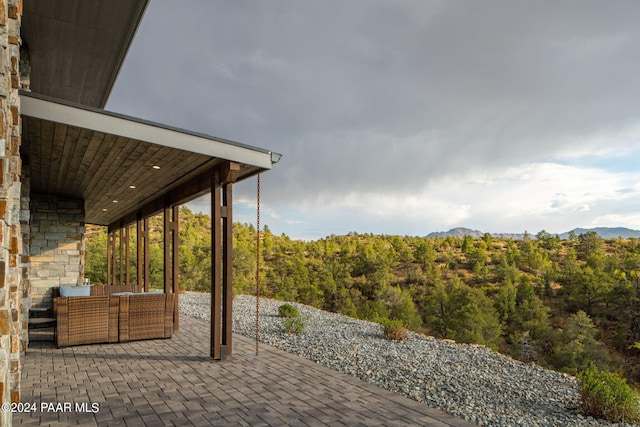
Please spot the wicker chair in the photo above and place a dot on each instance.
(145, 316)
(86, 320)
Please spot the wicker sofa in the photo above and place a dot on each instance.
(113, 318)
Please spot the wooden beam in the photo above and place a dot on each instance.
(229, 172)
(192, 189)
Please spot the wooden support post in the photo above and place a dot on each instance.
(109, 257)
(216, 268)
(121, 255)
(139, 253)
(147, 271)
(114, 276)
(114, 257)
(127, 257)
(227, 267)
(222, 260)
(171, 258)
(166, 261)
(175, 268)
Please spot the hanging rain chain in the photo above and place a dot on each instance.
(258, 269)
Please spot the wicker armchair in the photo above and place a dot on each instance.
(86, 320)
(145, 316)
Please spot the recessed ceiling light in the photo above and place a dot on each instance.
(155, 167)
(132, 186)
(115, 201)
(104, 209)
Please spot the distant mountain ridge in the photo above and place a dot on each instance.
(604, 232)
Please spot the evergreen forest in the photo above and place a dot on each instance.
(558, 303)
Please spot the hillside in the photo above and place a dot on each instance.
(604, 232)
(468, 381)
(464, 232)
(559, 303)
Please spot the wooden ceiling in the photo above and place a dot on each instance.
(117, 175)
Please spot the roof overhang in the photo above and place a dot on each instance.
(123, 167)
(76, 47)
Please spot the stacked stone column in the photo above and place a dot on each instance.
(57, 245)
(13, 259)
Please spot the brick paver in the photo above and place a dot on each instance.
(174, 383)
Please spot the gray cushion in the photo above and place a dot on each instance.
(75, 291)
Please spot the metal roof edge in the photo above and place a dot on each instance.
(47, 108)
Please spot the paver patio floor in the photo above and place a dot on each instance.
(173, 382)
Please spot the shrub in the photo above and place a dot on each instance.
(607, 396)
(394, 330)
(288, 310)
(292, 325)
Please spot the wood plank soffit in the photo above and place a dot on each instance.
(192, 189)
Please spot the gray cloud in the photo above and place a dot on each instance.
(373, 96)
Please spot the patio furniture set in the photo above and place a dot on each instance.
(106, 314)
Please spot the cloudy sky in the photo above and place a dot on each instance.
(406, 116)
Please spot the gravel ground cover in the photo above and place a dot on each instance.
(469, 381)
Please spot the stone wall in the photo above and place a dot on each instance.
(57, 245)
(13, 260)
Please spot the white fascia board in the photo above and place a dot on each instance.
(129, 127)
